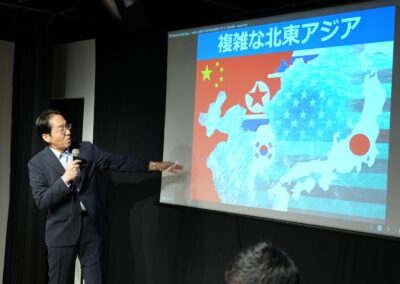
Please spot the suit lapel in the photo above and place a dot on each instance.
(82, 167)
(50, 158)
(81, 177)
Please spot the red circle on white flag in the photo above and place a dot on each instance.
(359, 144)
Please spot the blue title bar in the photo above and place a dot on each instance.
(365, 26)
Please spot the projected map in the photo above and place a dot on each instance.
(296, 116)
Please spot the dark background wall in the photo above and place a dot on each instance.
(150, 243)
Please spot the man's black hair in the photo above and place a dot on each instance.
(42, 124)
(262, 264)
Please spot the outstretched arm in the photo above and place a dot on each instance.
(165, 166)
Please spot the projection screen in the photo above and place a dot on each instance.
(291, 117)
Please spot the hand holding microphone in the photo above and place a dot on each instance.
(72, 170)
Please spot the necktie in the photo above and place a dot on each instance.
(64, 157)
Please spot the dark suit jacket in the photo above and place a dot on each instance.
(62, 203)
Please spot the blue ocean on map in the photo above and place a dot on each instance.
(320, 143)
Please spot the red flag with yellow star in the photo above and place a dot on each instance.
(235, 76)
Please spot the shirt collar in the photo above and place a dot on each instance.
(58, 153)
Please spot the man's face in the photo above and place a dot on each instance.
(59, 137)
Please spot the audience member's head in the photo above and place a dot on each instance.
(262, 264)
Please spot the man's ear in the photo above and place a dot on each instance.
(46, 137)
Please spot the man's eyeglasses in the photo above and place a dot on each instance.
(63, 128)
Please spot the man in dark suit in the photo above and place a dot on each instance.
(66, 187)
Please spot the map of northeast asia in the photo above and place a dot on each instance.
(301, 131)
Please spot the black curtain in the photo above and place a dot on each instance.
(25, 256)
(151, 244)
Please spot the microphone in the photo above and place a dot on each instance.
(75, 154)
